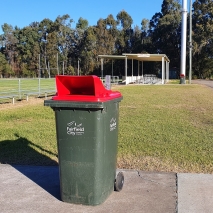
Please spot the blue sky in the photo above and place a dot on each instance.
(21, 13)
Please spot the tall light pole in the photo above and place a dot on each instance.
(102, 68)
(78, 66)
(190, 43)
(183, 42)
(39, 66)
(57, 63)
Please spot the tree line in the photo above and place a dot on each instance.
(48, 47)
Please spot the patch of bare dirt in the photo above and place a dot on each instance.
(19, 104)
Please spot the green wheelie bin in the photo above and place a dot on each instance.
(86, 116)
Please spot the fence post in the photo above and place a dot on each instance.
(39, 87)
(19, 88)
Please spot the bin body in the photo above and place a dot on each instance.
(87, 136)
(182, 79)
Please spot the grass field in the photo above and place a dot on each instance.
(25, 84)
(22, 86)
(167, 128)
(162, 128)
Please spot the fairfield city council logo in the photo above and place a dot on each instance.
(75, 129)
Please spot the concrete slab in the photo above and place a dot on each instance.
(36, 189)
(195, 193)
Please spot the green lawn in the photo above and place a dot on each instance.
(162, 128)
(25, 84)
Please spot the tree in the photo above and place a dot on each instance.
(28, 49)
(9, 42)
(165, 30)
(5, 70)
(82, 24)
(141, 39)
(45, 27)
(87, 51)
(123, 43)
(203, 38)
(64, 39)
(52, 53)
(105, 41)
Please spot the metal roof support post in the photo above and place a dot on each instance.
(142, 70)
(138, 68)
(138, 78)
(183, 42)
(132, 72)
(132, 67)
(163, 70)
(166, 71)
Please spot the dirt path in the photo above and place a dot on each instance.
(18, 104)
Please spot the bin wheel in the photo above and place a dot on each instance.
(119, 182)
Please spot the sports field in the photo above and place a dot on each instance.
(25, 84)
(161, 128)
(19, 88)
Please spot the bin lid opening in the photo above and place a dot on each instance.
(82, 88)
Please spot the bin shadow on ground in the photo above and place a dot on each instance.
(37, 167)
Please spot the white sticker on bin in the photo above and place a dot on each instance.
(75, 129)
(113, 124)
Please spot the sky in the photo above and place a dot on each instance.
(21, 13)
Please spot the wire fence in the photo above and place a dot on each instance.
(23, 88)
